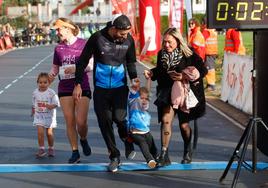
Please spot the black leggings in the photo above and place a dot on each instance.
(146, 144)
(85, 93)
(110, 106)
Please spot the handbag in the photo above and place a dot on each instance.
(191, 100)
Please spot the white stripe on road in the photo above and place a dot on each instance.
(227, 117)
(8, 86)
(24, 74)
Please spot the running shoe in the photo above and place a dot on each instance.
(75, 158)
(41, 153)
(129, 150)
(151, 164)
(51, 152)
(114, 164)
(86, 147)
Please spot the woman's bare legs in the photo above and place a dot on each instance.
(81, 109)
(68, 109)
(75, 114)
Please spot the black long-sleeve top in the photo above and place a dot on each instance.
(106, 51)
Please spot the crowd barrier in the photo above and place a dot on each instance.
(5, 43)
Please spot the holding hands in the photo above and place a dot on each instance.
(148, 74)
(135, 84)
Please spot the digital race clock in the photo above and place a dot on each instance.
(240, 14)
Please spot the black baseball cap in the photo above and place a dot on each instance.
(121, 21)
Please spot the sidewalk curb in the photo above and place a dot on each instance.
(232, 112)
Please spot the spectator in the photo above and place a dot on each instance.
(234, 42)
(91, 27)
(211, 52)
(196, 40)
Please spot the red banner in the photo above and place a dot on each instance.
(8, 43)
(176, 14)
(81, 6)
(2, 44)
(1, 9)
(150, 26)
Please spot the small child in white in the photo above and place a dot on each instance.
(139, 123)
(44, 103)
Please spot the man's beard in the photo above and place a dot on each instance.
(119, 40)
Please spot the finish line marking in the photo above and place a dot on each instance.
(102, 167)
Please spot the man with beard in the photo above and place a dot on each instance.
(113, 50)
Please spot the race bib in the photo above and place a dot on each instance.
(41, 107)
(63, 75)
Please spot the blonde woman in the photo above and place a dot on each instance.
(172, 60)
(66, 55)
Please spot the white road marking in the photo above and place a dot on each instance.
(24, 74)
(227, 117)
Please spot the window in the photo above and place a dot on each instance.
(198, 2)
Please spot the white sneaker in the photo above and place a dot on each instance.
(131, 155)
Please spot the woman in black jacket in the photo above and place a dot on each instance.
(172, 61)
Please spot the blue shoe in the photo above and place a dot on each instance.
(75, 158)
(86, 147)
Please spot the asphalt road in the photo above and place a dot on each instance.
(218, 137)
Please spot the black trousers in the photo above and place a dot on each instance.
(110, 106)
(146, 144)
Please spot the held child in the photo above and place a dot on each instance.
(139, 122)
(44, 101)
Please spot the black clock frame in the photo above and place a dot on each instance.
(231, 21)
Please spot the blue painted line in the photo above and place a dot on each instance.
(102, 167)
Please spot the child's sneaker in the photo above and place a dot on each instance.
(151, 164)
(129, 150)
(51, 152)
(41, 153)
